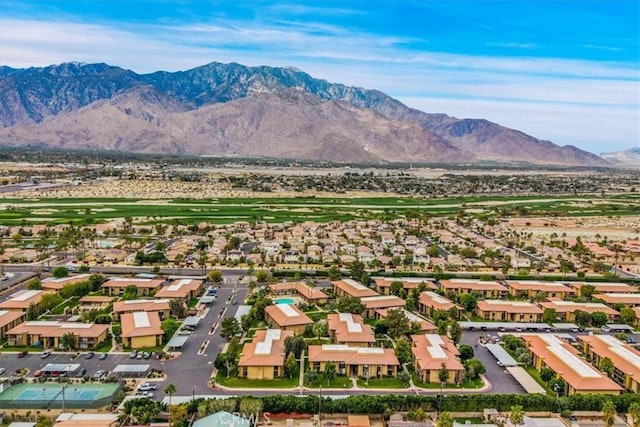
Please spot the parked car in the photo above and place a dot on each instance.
(2, 370)
(89, 355)
(147, 387)
(139, 355)
(133, 354)
(605, 328)
(37, 373)
(148, 394)
(102, 356)
(45, 354)
(99, 373)
(631, 340)
(146, 355)
(81, 373)
(23, 353)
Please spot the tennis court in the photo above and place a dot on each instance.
(54, 395)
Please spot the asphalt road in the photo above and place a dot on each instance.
(499, 377)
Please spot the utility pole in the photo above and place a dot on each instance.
(320, 409)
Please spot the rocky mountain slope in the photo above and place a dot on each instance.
(628, 157)
(248, 111)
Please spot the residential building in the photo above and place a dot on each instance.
(367, 362)
(429, 302)
(21, 300)
(487, 289)
(425, 325)
(532, 288)
(349, 287)
(381, 301)
(508, 311)
(549, 351)
(383, 284)
(604, 287)
(566, 309)
(53, 284)
(349, 329)
(9, 319)
(311, 295)
(625, 358)
(141, 329)
(182, 289)
(94, 302)
(431, 354)
(628, 300)
(287, 317)
(263, 358)
(48, 334)
(160, 306)
(144, 287)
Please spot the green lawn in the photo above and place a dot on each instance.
(59, 309)
(536, 376)
(193, 302)
(278, 210)
(235, 382)
(339, 381)
(104, 347)
(477, 383)
(382, 383)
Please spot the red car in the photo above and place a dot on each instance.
(23, 353)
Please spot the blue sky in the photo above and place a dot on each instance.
(567, 71)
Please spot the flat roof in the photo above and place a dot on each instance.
(177, 341)
(60, 367)
(130, 368)
(191, 321)
(525, 380)
(501, 354)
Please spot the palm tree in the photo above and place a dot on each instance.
(608, 412)
(517, 415)
(170, 389)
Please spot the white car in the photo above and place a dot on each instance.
(147, 387)
(148, 394)
(2, 370)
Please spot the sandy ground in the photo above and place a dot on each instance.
(143, 189)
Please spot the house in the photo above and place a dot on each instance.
(612, 299)
(566, 310)
(53, 284)
(183, 290)
(144, 287)
(549, 351)
(487, 289)
(141, 329)
(508, 311)
(383, 284)
(366, 362)
(349, 329)
(604, 287)
(431, 354)
(430, 301)
(349, 287)
(9, 319)
(531, 288)
(311, 295)
(287, 317)
(94, 302)
(160, 306)
(224, 419)
(425, 325)
(48, 334)
(377, 302)
(21, 300)
(626, 359)
(263, 358)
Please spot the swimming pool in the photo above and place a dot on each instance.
(283, 301)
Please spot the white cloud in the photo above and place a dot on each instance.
(589, 104)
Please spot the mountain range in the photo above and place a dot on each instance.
(232, 109)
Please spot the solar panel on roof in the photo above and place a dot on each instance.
(435, 346)
(370, 350)
(353, 283)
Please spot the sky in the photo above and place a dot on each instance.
(567, 71)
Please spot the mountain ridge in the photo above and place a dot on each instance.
(35, 98)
